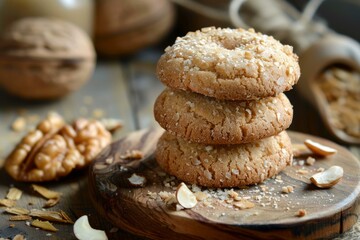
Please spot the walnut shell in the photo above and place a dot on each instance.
(44, 58)
(54, 149)
(124, 27)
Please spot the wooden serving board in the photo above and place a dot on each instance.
(141, 211)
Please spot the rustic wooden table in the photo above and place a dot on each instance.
(118, 89)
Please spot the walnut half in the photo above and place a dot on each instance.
(55, 148)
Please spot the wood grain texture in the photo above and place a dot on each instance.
(329, 211)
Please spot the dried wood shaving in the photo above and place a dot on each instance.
(66, 217)
(17, 211)
(19, 237)
(244, 204)
(14, 194)
(51, 202)
(19, 218)
(46, 225)
(46, 193)
(7, 203)
(48, 215)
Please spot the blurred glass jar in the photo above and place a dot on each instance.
(79, 12)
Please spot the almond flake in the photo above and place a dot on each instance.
(185, 197)
(19, 218)
(51, 202)
(243, 204)
(19, 237)
(66, 217)
(48, 215)
(45, 225)
(7, 202)
(319, 149)
(46, 193)
(17, 211)
(14, 194)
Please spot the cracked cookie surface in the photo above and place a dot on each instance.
(224, 165)
(232, 64)
(202, 119)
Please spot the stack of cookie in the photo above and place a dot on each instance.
(224, 112)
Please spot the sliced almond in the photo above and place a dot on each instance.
(83, 230)
(66, 217)
(51, 202)
(48, 215)
(327, 178)
(19, 218)
(185, 197)
(17, 211)
(44, 225)
(19, 237)
(137, 180)
(319, 149)
(243, 204)
(14, 194)
(7, 202)
(46, 193)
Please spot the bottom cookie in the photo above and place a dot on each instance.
(224, 165)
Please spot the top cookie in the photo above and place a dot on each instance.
(229, 64)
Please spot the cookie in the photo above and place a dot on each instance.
(224, 165)
(232, 64)
(207, 120)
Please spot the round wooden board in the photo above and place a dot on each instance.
(141, 211)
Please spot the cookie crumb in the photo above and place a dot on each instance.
(19, 124)
(287, 189)
(132, 154)
(310, 161)
(302, 171)
(301, 213)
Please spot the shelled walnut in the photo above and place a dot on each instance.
(55, 148)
